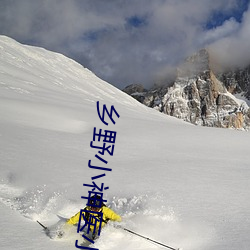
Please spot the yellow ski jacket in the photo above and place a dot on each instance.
(108, 214)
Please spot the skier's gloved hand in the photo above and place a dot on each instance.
(62, 230)
(60, 233)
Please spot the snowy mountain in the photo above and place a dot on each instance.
(201, 96)
(237, 81)
(182, 185)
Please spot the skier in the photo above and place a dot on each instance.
(92, 217)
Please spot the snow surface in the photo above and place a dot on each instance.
(182, 185)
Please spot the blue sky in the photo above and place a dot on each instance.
(131, 41)
(218, 17)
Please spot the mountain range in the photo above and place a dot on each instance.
(202, 94)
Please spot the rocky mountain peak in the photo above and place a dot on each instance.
(200, 96)
(197, 64)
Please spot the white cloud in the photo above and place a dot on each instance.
(228, 28)
(97, 32)
(233, 50)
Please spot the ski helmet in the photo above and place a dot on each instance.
(95, 201)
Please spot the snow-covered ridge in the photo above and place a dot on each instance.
(33, 74)
(24, 69)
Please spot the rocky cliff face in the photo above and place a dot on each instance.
(201, 97)
(237, 81)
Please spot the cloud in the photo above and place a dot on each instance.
(228, 28)
(233, 49)
(121, 41)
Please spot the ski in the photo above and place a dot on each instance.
(61, 217)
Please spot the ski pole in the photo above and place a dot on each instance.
(149, 239)
(45, 228)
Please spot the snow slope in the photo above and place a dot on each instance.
(179, 184)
